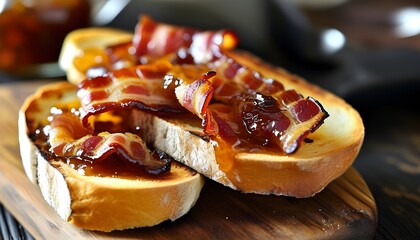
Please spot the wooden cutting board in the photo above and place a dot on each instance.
(346, 209)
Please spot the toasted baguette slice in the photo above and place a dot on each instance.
(100, 203)
(302, 174)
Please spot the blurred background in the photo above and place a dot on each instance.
(343, 45)
(366, 51)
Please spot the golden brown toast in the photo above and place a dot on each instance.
(94, 202)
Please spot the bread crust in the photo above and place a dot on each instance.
(100, 203)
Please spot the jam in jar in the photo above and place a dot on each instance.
(32, 31)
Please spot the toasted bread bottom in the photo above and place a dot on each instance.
(100, 203)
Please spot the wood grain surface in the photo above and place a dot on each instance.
(346, 209)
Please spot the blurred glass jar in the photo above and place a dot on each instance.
(32, 31)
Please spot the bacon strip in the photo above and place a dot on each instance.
(69, 138)
(310, 115)
(232, 71)
(283, 125)
(139, 87)
(277, 117)
(195, 97)
(157, 39)
(293, 118)
(154, 39)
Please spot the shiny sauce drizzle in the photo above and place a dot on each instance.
(113, 166)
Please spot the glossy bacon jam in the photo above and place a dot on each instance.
(107, 148)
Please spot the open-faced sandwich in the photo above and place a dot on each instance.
(126, 141)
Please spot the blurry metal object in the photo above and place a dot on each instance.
(406, 22)
(331, 41)
(105, 11)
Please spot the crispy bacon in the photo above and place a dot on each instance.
(310, 115)
(139, 87)
(281, 116)
(246, 78)
(269, 114)
(157, 39)
(254, 117)
(154, 39)
(285, 126)
(69, 138)
(261, 109)
(195, 97)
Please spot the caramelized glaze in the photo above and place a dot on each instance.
(114, 165)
